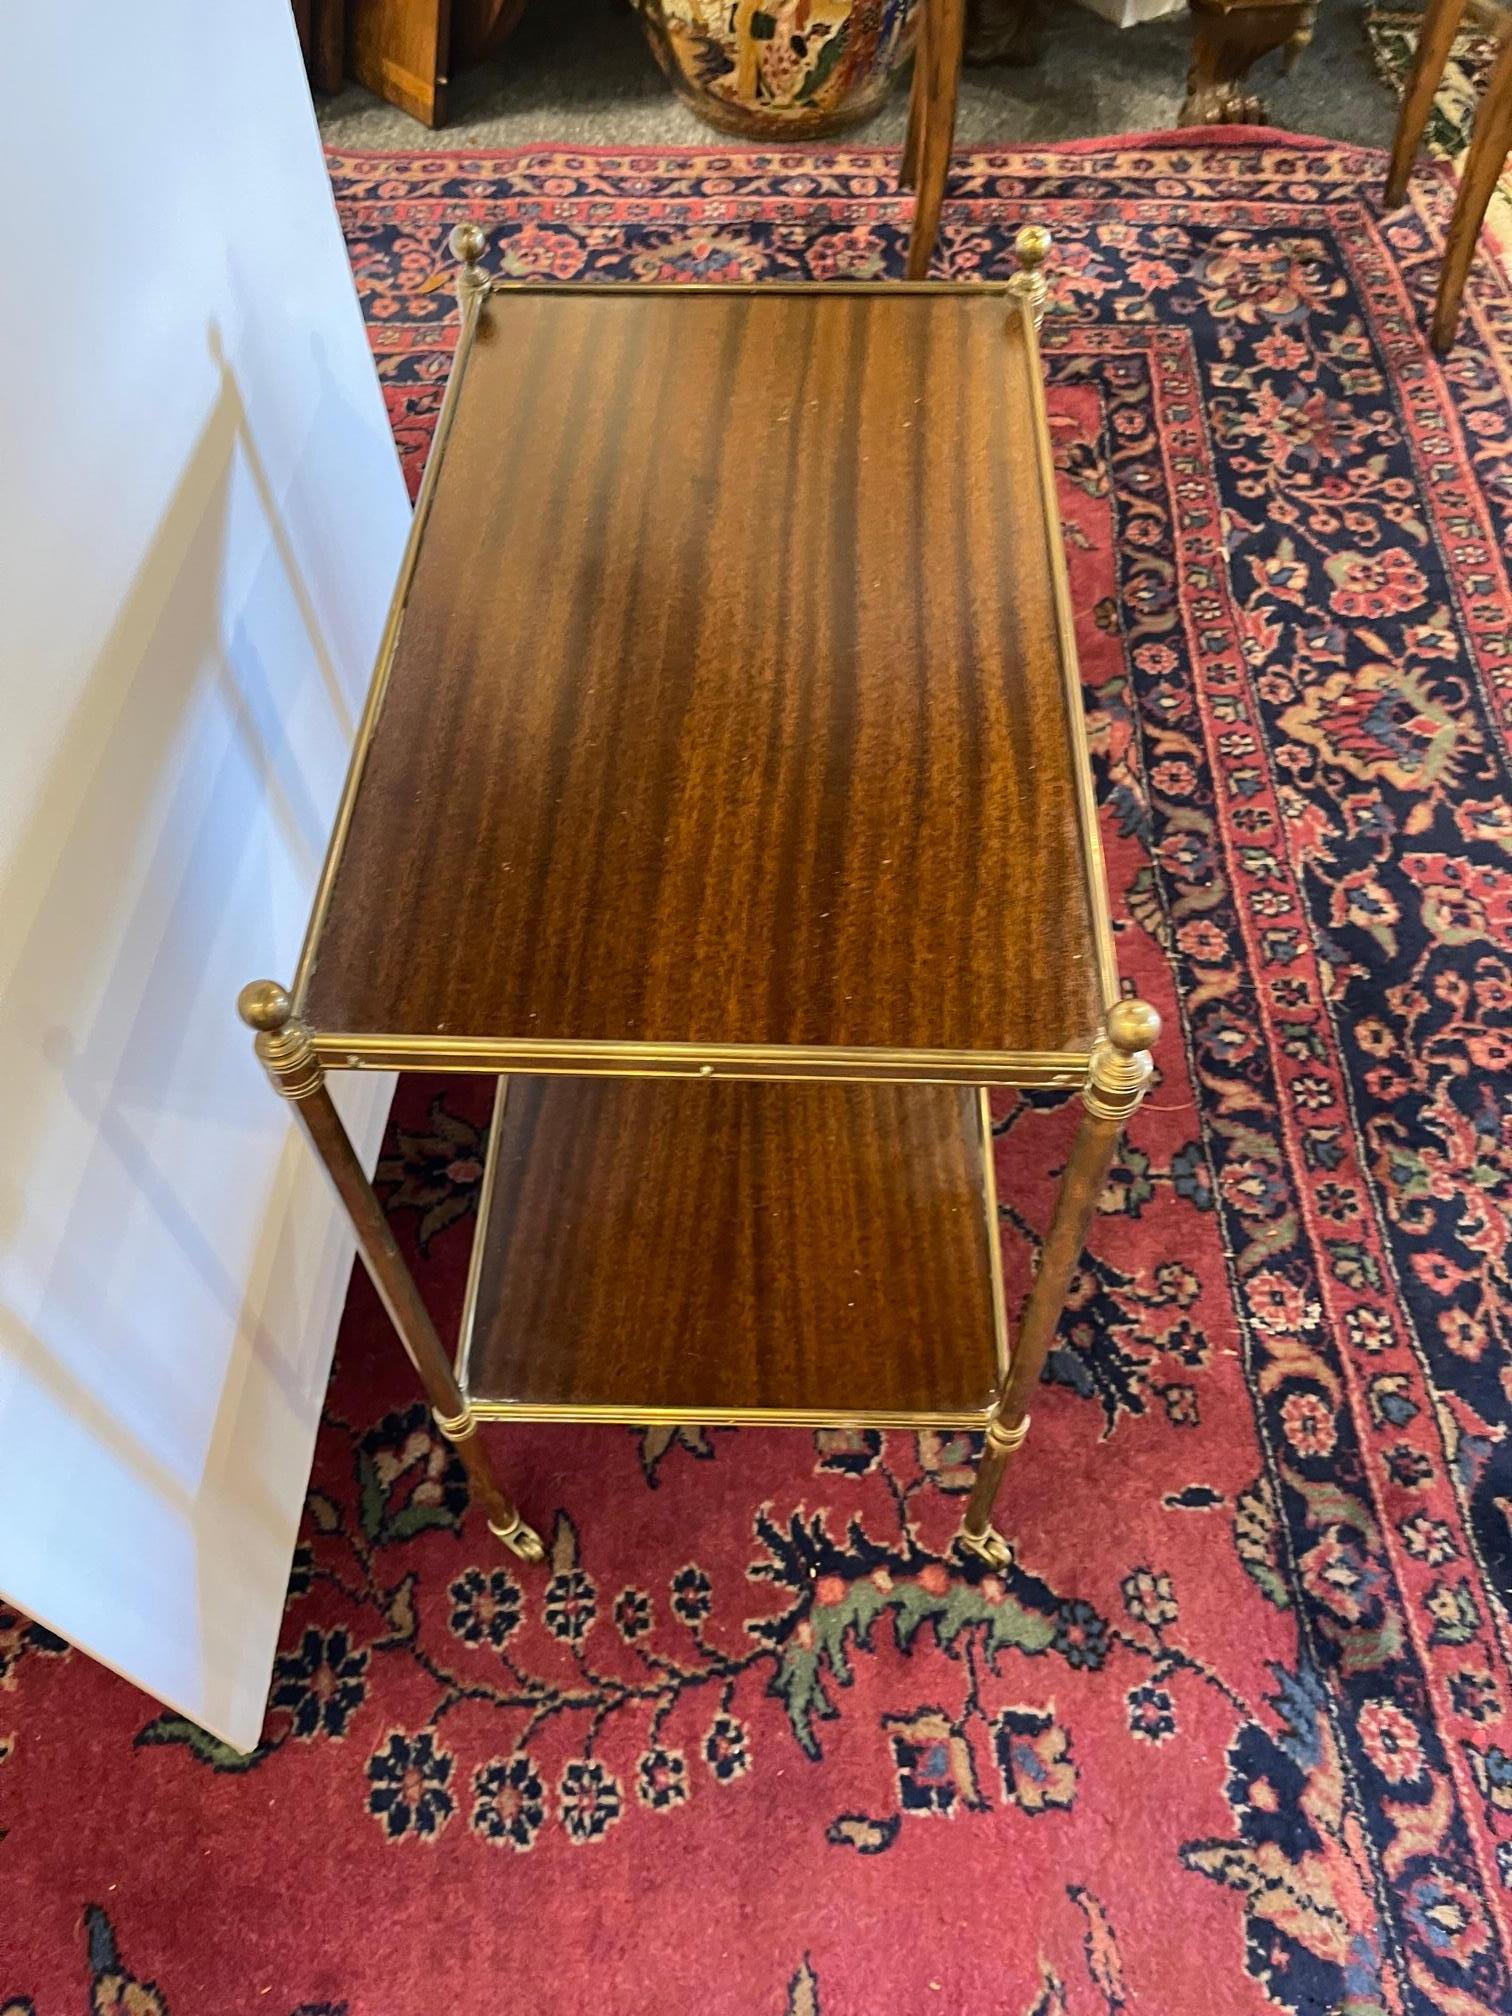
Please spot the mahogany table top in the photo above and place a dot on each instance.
(731, 720)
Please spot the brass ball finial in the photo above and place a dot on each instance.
(468, 243)
(1133, 1026)
(264, 1005)
(1031, 248)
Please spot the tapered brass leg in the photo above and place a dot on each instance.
(1120, 1071)
(287, 1055)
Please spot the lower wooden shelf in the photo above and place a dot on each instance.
(712, 1251)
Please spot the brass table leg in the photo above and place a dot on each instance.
(1120, 1072)
(287, 1055)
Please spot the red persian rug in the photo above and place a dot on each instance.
(1235, 1732)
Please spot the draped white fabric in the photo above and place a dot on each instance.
(201, 514)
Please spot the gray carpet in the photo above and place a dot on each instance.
(578, 72)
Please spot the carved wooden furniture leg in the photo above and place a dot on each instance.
(941, 58)
(1120, 1073)
(1490, 140)
(284, 1049)
(1440, 25)
(1227, 37)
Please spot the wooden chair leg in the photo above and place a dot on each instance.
(908, 170)
(1435, 38)
(1490, 140)
(941, 84)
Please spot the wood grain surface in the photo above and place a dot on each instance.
(401, 49)
(809, 1250)
(728, 705)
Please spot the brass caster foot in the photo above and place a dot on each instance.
(990, 1547)
(520, 1539)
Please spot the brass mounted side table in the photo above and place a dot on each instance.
(723, 791)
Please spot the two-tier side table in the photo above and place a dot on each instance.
(723, 792)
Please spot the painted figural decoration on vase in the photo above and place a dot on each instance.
(798, 67)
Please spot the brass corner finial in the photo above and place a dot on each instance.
(282, 1044)
(468, 244)
(264, 1005)
(1122, 1066)
(1031, 249)
(1133, 1026)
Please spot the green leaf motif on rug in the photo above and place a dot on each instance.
(178, 1729)
(1352, 1265)
(384, 1527)
(408, 1480)
(799, 1679)
(1257, 1540)
(1129, 1187)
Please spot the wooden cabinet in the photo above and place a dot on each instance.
(408, 51)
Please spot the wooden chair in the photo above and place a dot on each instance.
(931, 122)
(1490, 141)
